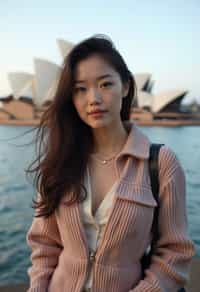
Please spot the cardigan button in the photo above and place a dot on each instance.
(92, 256)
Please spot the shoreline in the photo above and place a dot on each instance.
(146, 123)
(168, 123)
(32, 122)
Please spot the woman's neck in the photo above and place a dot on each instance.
(109, 140)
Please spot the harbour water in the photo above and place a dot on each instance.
(16, 192)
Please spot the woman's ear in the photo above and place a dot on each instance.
(125, 89)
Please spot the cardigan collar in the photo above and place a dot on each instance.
(137, 144)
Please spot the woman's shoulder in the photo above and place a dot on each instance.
(169, 163)
(167, 155)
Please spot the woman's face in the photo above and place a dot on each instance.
(98, 92)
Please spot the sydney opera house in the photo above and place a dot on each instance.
(31, 93)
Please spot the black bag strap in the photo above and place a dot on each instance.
(154, 179)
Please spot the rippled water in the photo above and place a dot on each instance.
(16, 192)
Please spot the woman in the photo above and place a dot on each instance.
(95, 205)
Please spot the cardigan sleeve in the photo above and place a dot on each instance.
(44, 239)
(170, 263)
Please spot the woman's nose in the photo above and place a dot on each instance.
(94, 96)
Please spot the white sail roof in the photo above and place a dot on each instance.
(144, 99)
(46, 73)
(163, 99)
(51, 91)
(28, 90)
(64, 47)
(141, 79)
(18, 81)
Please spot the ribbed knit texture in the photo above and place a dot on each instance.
(59, 246)
(94, 224)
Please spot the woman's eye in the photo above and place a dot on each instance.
(80, 89)
(107, 84)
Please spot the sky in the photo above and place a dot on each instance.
(153, 36)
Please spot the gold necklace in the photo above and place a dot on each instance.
(104, 161)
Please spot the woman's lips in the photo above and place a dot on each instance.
(97, 113)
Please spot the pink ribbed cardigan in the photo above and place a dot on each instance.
(60, 255)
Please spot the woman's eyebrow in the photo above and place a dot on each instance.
(104, 76)
(98, 78)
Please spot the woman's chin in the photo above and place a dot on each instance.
(99, 124)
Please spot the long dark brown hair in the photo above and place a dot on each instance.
(63, 140)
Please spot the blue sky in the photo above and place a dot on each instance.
(159, 37)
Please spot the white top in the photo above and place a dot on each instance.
(94, 225)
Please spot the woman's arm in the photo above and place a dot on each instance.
(170, 265)
(44, 239)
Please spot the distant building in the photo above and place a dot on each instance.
(3, 113)
(17, 109)
(33, 92)
(22, 84)
(143, 81)
(64, 47)
(46, 75)
(168, 101)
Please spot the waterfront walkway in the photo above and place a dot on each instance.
(194, 285)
